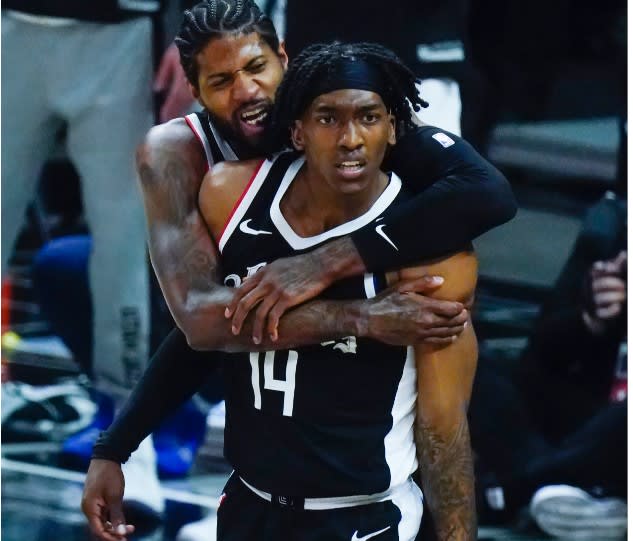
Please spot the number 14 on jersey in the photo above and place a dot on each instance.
(285, 386)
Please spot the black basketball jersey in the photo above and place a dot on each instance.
(327, 420)
(216, 148)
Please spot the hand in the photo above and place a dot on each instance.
(170, 79)
(102, 501)
(608, 291)
(402, 316)
(276, 287)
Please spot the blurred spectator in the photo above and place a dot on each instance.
(560, 417)
(87, 68)
(429, 36)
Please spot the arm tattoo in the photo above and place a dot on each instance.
(446, 469)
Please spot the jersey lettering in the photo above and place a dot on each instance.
(285, 386)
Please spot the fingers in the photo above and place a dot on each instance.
(620, 260)
(444, 332)
(247, 286)
(440, 341)
(103, 528)
(117, 525)
(120, 531)
(614, 266)
(446, 309)
(243, 301)
(260, 316)
(273, 318)
(609, 297)
(459, 319)
(609, 311)
(420, 285)
(608, 283)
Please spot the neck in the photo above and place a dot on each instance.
(311, 206)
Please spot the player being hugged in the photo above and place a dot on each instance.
(323, 438)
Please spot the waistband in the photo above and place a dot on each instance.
(320, 504)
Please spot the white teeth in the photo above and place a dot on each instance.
(351, 164)
(255, 115)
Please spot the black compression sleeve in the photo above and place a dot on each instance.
(459, 196)
(175, 373)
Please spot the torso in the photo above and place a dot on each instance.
(341, 411)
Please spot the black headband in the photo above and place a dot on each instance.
(349, 73)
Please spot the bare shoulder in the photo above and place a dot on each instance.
(173, 134)
(222, 187)
(170, 145)
(233, 176)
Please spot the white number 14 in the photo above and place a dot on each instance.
(286, 386)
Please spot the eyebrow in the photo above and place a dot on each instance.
(226, 74)
(331, 108)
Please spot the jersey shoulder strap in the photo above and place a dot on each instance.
(216, 148)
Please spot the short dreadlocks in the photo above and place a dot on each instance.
(317, 62)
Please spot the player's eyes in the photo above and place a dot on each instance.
(219, 84)
(257, 68)
(370, 118)
(326, 120)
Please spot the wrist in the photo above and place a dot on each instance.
(354, 319)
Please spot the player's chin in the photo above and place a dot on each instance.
(252, 134)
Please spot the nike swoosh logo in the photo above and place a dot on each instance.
(244, 228)
(379, 230)
(369, 535)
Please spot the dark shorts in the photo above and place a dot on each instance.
(245, 516)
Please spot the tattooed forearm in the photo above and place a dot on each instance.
(446, 469)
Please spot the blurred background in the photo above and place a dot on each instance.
(542, 93)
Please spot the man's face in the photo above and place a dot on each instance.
(237, 79)
(344, 135)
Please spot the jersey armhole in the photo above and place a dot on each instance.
(207, 151)
(238, 202)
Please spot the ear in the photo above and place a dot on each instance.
(194, 92)
(392, 130)
(282, 54)
(296, 134)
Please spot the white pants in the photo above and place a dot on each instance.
(445, 105)
(96, 80)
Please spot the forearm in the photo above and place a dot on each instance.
(309, 323)
(459, 196)
(445, 378)
(174, 374)
(447, 477)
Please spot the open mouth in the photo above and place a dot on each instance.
(351, 166)
(255, 116)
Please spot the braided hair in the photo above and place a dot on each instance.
(215, 19)
(317, 62)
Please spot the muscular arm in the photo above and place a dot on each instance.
(445, 376)
(459, 196)
(171, 166)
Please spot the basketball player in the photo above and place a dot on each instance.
(300, 469)
(320, 440)
(315, 428)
